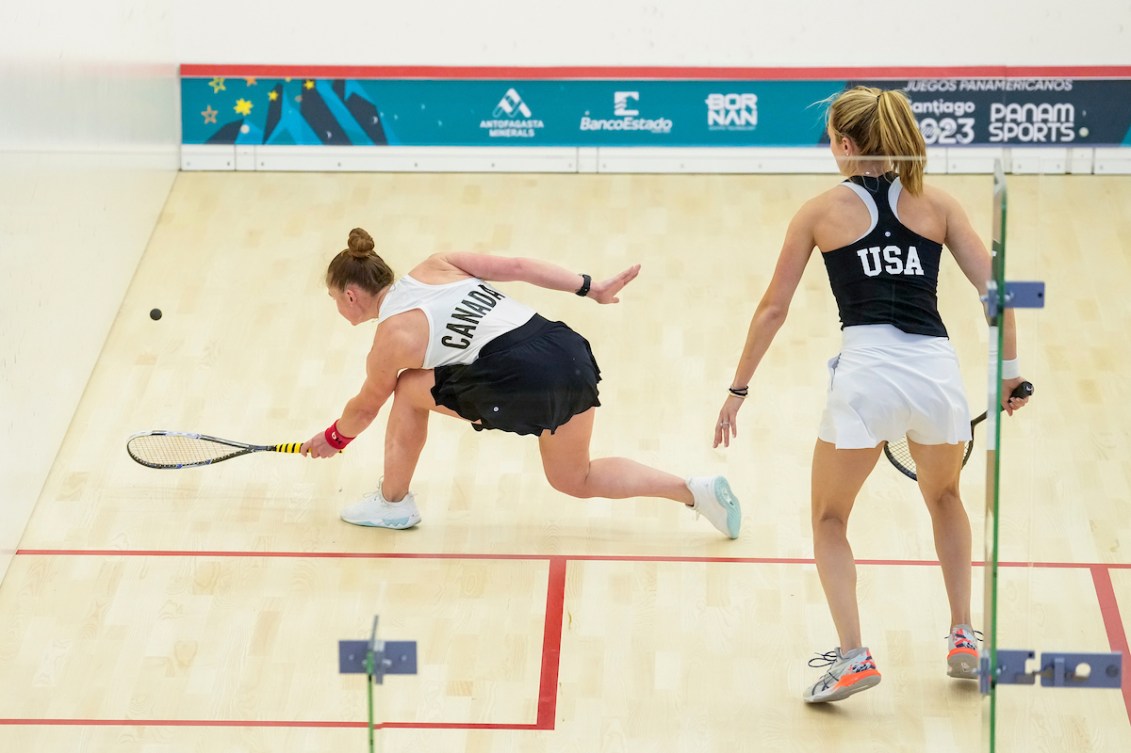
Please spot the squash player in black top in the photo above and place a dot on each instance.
(881, 235)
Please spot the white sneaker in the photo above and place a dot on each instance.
(716, 502)
(375, 510)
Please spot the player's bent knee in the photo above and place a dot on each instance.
(942, 499)
(573, 485)
(829, 522)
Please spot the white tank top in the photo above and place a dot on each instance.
(463, 316)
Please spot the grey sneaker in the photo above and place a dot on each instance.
(962, 653)
(375, 510)
(716, 502)
(845, 675)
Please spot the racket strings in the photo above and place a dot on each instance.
(900, 455)
(175, 451)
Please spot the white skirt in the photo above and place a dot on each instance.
(885, 384)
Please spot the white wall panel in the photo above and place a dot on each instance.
(651, 32)
(88, 150)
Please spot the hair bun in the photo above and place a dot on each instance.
(360, 242)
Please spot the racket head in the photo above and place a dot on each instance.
(899, 455)
(178, 449)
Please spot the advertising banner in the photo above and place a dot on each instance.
(1019, 112)
(653, 113)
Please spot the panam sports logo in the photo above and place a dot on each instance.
(511, 119)
(626, 117)
(732, 112)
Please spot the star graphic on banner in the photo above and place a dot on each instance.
(217, 85)
(272, 95)
(209, 115)
(250, 81)
(243, 107)
(309, 84)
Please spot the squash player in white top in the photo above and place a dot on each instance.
(457, 313)
(448, 342)
(881, 234)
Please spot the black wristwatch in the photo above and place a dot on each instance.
(586, 280)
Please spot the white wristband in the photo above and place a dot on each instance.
(1010, 369)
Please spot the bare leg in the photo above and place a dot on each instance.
(837, 478)
(565, 459)
(407, 430)
(938, 467)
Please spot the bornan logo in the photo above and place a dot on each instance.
(511, 119)
(732, 112)
(626, 117)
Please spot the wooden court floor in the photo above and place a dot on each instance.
(201, 610)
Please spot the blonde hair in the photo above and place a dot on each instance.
(359, 264)
(880, 122)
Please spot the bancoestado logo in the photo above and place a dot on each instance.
(732, 112)
(626, 117)
(511, 119)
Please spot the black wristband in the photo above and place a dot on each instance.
(586, 280)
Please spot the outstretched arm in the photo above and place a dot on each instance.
(389, 354)
(544, 274)
(768, 316)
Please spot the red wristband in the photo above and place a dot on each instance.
(335, 438)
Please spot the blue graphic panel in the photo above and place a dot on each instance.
(596, 113)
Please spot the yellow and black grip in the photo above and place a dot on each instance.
(291, 447)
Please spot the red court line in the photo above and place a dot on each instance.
(174, 723)
(689, 73)
(547, 684)
(552, 631)
(274, 554)
(552, 644)
(1113, 623)
(524, 557)
(268, 723)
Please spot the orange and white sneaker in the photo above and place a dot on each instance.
(846, 674)
(962, 653)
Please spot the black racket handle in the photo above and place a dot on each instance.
(1025, 389)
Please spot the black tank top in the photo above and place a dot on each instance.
(891, 275)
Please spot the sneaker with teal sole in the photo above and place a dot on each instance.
(716, 502)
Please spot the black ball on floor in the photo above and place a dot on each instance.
(155, 314)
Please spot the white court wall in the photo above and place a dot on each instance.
(89, 142)
(655, 32)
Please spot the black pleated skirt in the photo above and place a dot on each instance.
(533, 378)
